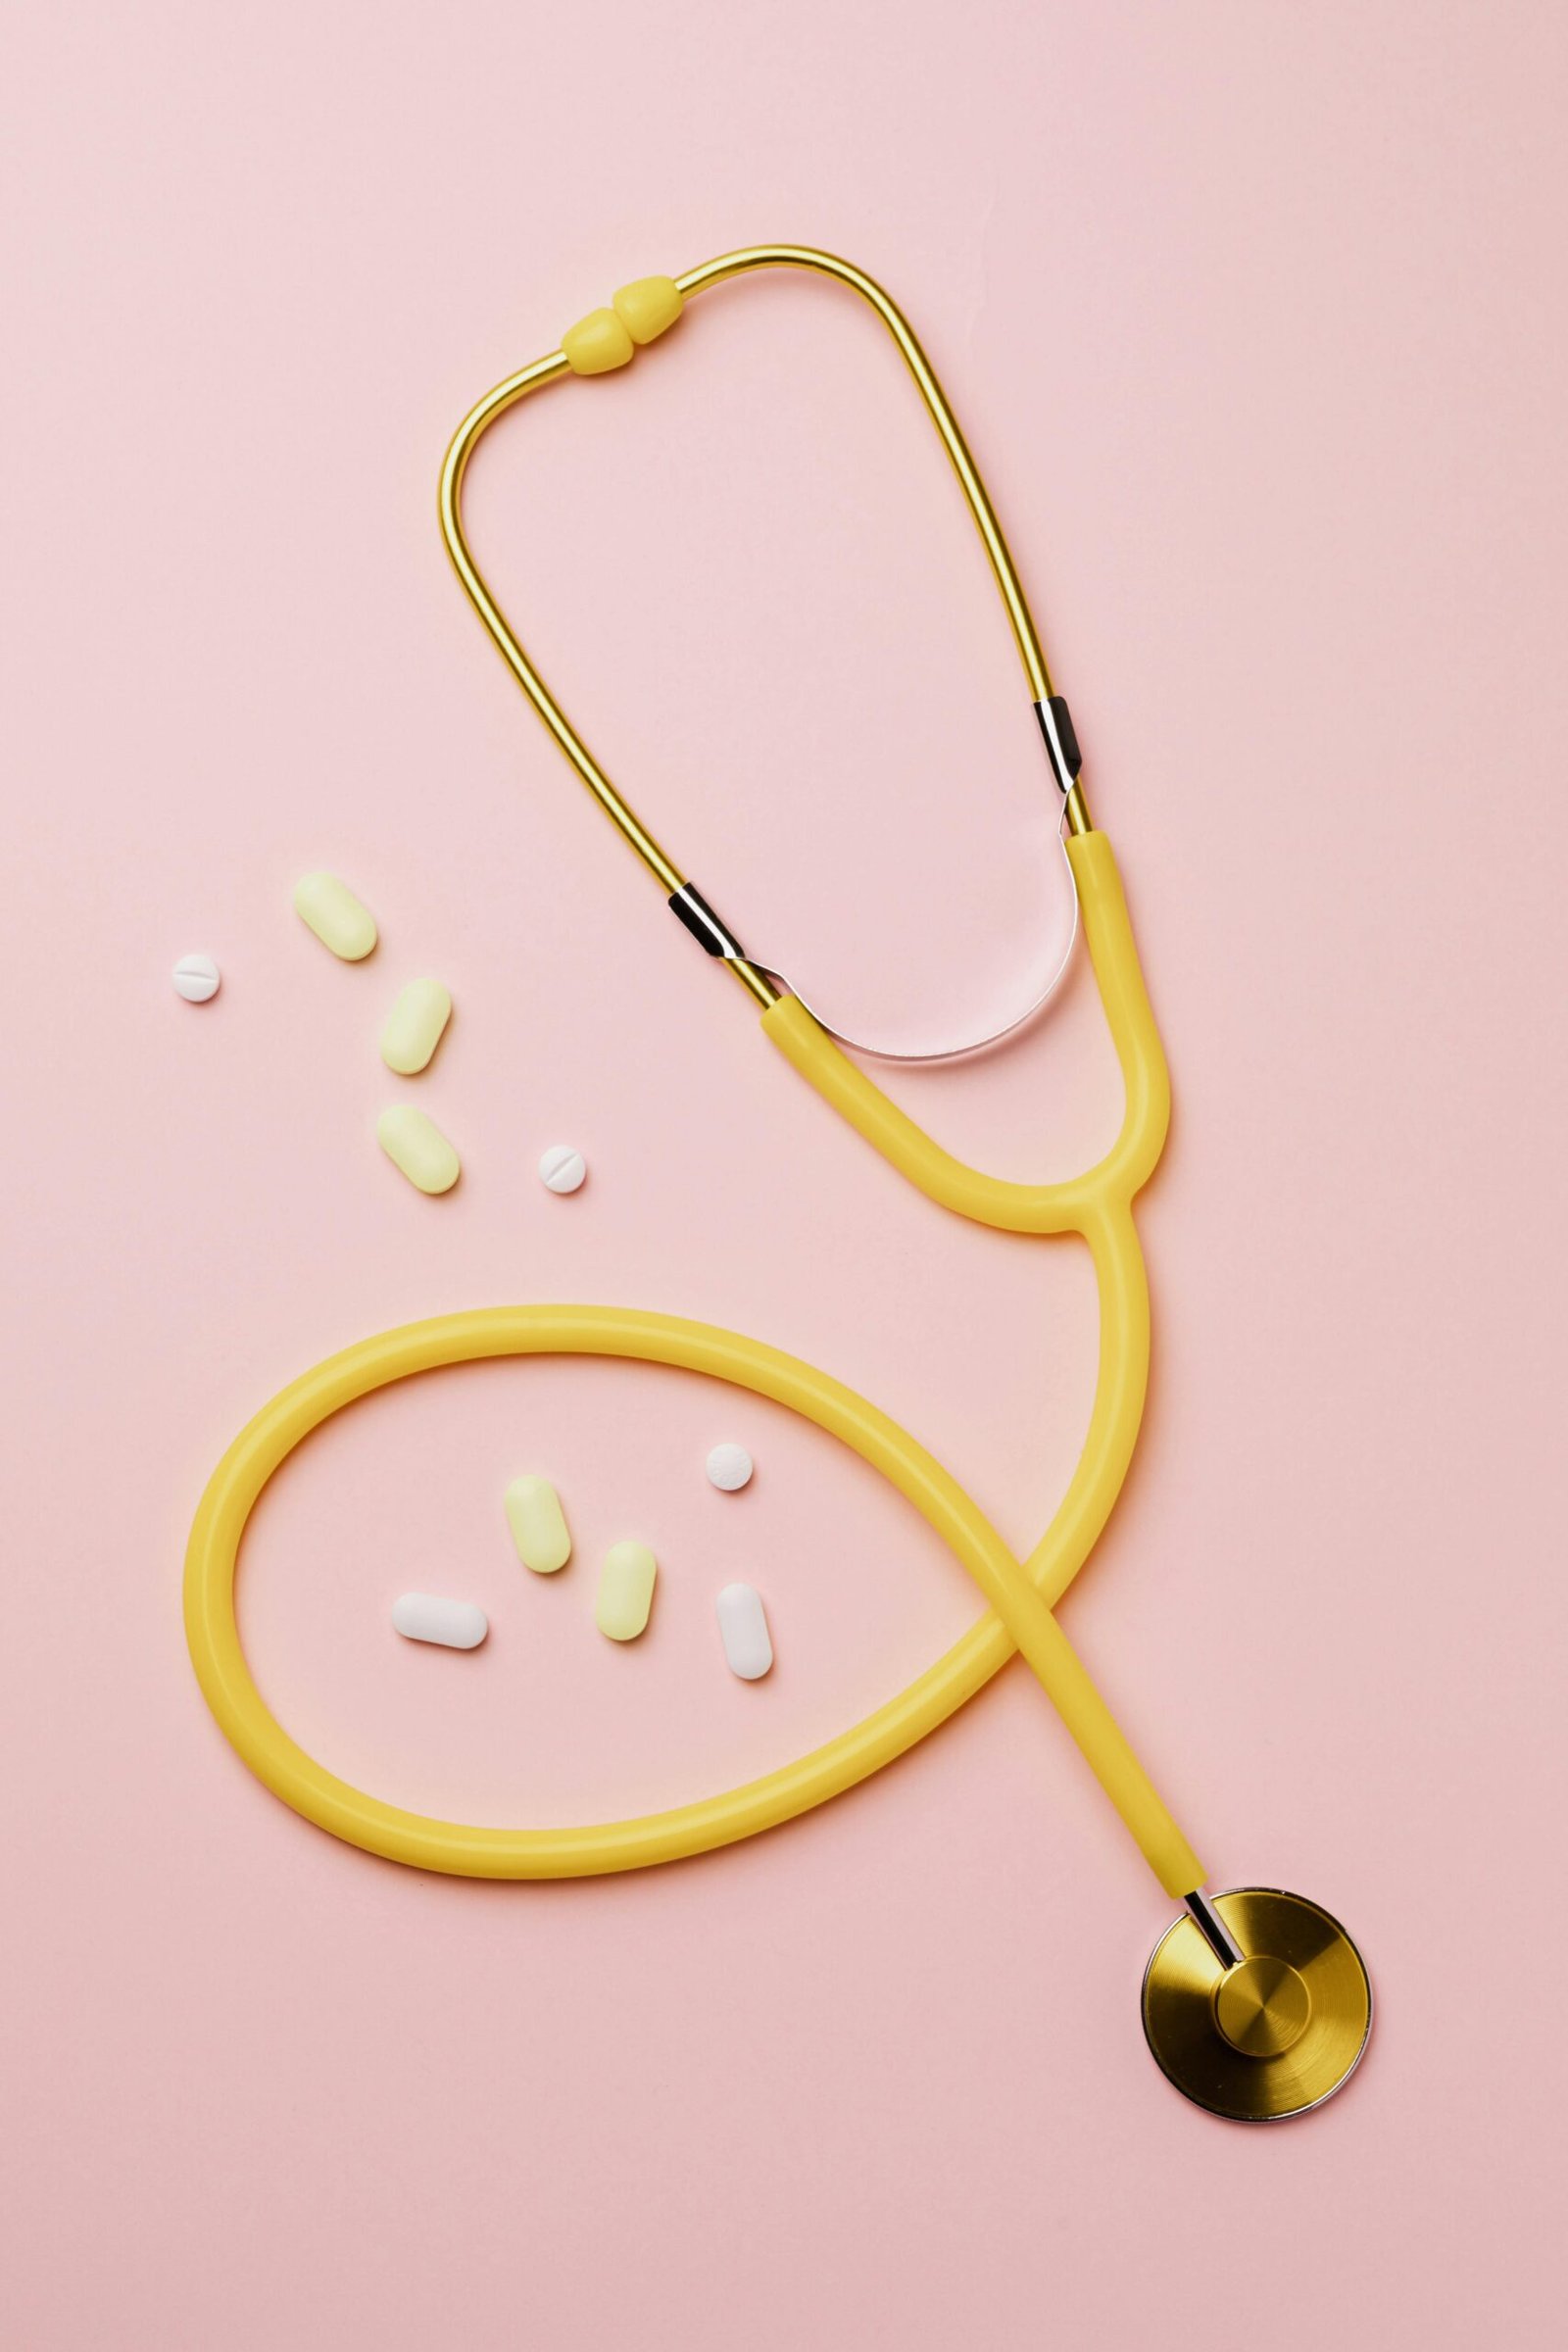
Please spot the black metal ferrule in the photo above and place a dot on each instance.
(705, 926)
(1062, 741)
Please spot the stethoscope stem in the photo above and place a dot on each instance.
(1218, 1938)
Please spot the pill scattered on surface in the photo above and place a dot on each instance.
(426, 1617)
(336, 916)
(625, 1591)
(729, 1468)
(196, 977)
(538, 1525)
(417, 1145)
(561, 1168)
(743, 1629)
(413, 1027)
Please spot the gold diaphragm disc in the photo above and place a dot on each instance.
(1272, 2037)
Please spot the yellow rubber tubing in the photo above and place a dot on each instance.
(1021, 1593)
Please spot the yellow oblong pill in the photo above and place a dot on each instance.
(413, 1027)
(538, 1525)
(417, 1145)
(625, 1591)
(337, 917)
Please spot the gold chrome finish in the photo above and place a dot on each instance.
(1262, 2007)
(751, 976)
(465, 442)
(1272, 2037)
(554, 366)
(828, 264)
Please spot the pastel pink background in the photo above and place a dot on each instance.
(1253, 316)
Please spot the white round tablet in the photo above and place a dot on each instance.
(730, 1467)
(196, 977)
(561, 1168)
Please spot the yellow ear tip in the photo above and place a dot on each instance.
(649, 306)
(596, 344)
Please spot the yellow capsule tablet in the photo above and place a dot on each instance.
(538, 1525)
(625, 1591)
(417, 1145)
(337, 917)
(413, 1027)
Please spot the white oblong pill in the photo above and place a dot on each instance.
(426, 1617)
(417, 1145)
(563, 1168)
(196, 977)
(413, 1027)
(336, 916)
(538, 1525)
(743, 1629)
(625, 1591)
(730, 1467)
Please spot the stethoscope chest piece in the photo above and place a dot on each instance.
(1274, 2033)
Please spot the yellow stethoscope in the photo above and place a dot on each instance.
(1255, 2003)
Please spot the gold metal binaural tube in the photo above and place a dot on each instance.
(555, 364)
(828, 264)
(465, 442)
